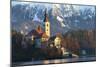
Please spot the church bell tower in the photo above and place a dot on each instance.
(47, 24)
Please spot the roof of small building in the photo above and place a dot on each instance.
(44, 35)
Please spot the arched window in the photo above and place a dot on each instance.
(47, 25)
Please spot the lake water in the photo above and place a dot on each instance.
(57, 61)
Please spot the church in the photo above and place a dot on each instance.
(38, 36)
(41, 37)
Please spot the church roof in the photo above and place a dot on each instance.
(35, 33)
(44, 35)
(39, 30)
(46, 16)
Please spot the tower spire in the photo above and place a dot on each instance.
(46, 16)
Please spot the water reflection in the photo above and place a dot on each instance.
(56, 61)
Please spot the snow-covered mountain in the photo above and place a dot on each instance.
(26, 16)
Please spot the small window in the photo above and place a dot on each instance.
(47, 25)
